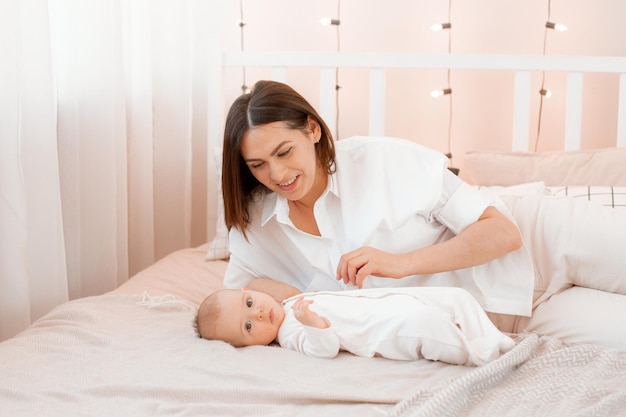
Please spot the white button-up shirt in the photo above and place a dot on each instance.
(391, 194)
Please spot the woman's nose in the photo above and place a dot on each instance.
(277, 171)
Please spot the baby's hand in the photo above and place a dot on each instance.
(307, 317)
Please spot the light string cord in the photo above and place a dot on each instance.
(244, 86)
(543, 81)
(449, 87)
(337, 86)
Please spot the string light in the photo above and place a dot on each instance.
(556, 26)
(440, 26)
(327, 21)
(440, 93)
(545, 93)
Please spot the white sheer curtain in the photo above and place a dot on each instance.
(103, 156)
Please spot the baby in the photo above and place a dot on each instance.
(439, 324)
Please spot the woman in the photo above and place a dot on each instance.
(374, 212)
(306, 213)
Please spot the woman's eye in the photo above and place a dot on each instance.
(256, 166)
(249, 302)
(248, 326)
(285, 153)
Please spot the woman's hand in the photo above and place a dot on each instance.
(356, 265)
(307, 317)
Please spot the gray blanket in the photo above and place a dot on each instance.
(541, 376)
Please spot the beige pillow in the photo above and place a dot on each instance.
(586, 167)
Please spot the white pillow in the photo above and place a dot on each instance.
(560, 232)
(218, 246)
(607, 196)
(573, 315)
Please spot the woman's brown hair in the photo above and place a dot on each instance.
(268, 102)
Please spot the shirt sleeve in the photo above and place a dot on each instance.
(440, 194)
(236, 275)
(462, 204)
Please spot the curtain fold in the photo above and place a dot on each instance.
(100, 174)
(91, 137)
(33, 275)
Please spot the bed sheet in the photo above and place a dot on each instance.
(135, 351)
(184, 274)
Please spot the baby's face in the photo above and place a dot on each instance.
(248, 318)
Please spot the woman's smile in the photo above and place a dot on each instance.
(289, 185)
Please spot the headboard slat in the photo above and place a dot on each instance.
(521, 111)
(621, 112)
(377, 102)
(279, 74)
(574, 111)
(327, 107)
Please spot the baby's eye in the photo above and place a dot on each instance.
(249, 302)
(248, 326)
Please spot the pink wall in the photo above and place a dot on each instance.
(481, 103)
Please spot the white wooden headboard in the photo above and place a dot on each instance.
(378, 63)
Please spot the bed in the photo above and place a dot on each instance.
(135, 351)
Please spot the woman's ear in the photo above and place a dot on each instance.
(315, 129)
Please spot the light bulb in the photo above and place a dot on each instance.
(556, 26)
(440, 93)
(241, 23)
(245, 89)
(545, 93)
(440, 26)
(327, 21)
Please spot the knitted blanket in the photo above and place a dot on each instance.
(541, 376)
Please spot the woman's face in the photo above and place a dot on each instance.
(284, 159)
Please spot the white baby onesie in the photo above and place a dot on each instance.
(438, 323)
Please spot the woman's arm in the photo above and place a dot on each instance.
(491, 236)
(278, 290)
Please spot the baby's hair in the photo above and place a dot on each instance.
(208, 313)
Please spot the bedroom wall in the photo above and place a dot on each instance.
(481, 104)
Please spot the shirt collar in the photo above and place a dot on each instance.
(277, 205)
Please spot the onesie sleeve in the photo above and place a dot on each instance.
(313, 342)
